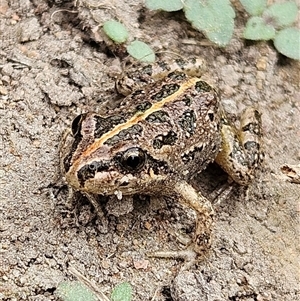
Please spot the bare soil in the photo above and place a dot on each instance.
(55, 64)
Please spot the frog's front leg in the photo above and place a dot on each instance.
(241, 154)
(201, 241)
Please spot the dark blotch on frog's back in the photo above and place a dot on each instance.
(104, 125)
(187, 121)
(130, 133)
(160, 140)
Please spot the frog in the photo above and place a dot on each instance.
(169, 126)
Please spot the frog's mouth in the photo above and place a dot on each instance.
(108, 182)
(113, 182)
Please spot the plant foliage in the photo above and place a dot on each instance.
(141, 51)
(122, 292)
(115, 31)
(254, 7)
(287, 42)
(75, 291)
(274, 22)
(215, 18)
(169, 6)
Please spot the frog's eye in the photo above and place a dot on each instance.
(76, 124)
(133, 159)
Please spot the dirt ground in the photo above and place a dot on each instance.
(54, 65)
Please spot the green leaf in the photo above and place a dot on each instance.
(256, 29)
(166, 5)
(214, 17)
(74, 291)
(281, 14)
(254, 7)
(141, 51)
(122, 292)
(115, 31)
(287, 42)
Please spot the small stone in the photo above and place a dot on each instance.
(228, 91)
(36, 143)
(3, 8)
(229, 105)
(230, 76)
(30, 30)
(15, 18)
(141, 264)
(261, 64)
(3, 90)
(5, 79)
(259, 84)
(248, 69)
(147, 225)
(105, 264)
(7, 69)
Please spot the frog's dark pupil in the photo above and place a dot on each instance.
(133, 159)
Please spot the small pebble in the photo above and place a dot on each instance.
(261, 64)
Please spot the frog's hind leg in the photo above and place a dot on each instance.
(241, 154)
(201, 241)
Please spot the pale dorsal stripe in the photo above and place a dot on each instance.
(137, 117)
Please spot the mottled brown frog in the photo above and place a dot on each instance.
(168, 128)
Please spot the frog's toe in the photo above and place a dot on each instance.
(188, 255)
(184, 239)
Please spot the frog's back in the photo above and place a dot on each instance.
(166, 129)
(174, 120)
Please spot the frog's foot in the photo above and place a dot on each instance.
(204, 220)
(194, 247)
(180, 237)
(188, 255)
(221, 194)
(103, 226)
